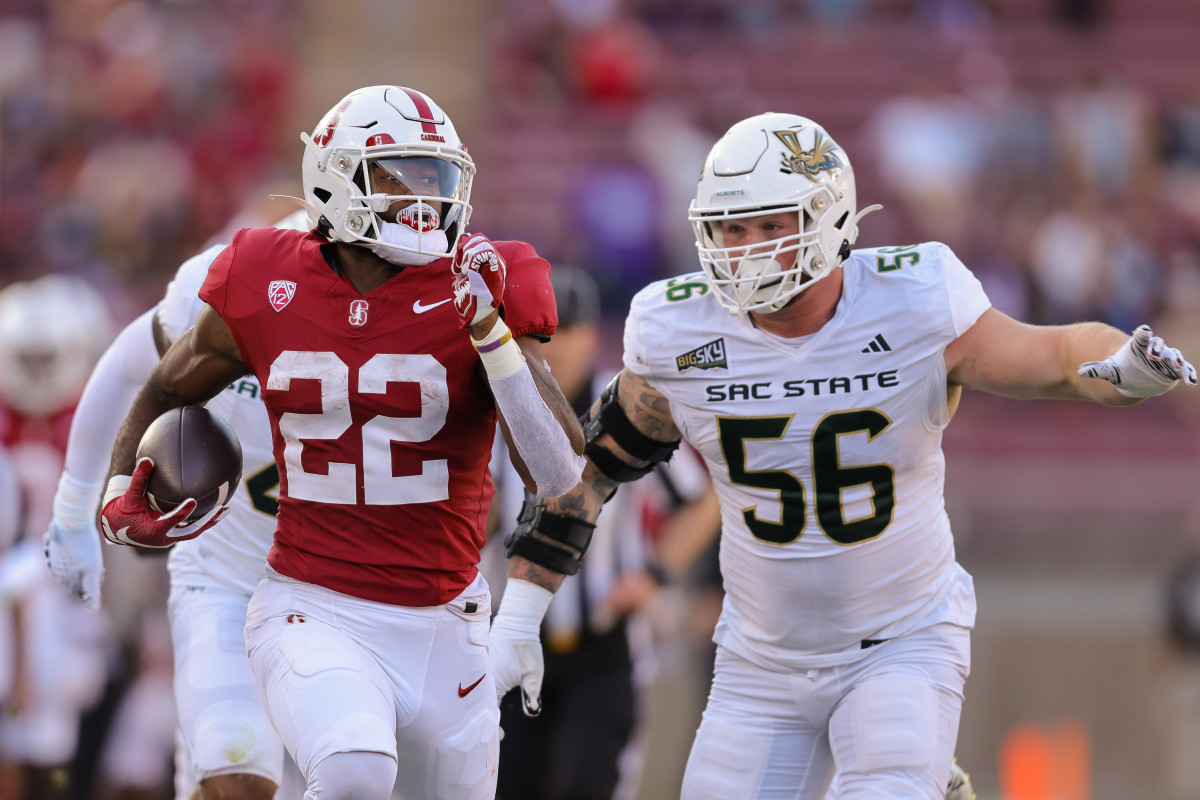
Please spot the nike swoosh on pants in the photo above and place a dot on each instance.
(464, 692)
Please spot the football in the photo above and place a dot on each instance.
(196, 454)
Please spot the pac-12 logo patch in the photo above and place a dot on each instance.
(358, 312)
(706, 356)
(280, 293)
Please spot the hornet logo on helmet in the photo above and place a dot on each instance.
(358, 312)
(280, 293)
(809, 163)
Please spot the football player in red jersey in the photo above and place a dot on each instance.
(369, 635)
(52, 329)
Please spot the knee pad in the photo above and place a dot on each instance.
(468, 759)
(236, 736)
(352, 733)
(362, 775)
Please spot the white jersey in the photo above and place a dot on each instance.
(232, 554)
(825, 452)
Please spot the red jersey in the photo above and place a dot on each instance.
(382, 423)
(17, 428)
(36, 447)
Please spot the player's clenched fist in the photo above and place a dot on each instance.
(479, 274)
(127, 518)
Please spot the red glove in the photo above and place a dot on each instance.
(127, 518)
(479, 274)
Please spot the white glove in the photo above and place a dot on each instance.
(959, 787)
(74, 559)
(515, 645)
(1143, 367)
(72, 544)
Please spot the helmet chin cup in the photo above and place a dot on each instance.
(757, 279)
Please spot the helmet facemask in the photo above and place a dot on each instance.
(764, 276)
(408, 209)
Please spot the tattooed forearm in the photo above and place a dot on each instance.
(523, 569)
(586, 499)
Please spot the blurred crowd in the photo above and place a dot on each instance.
(130, 132)
(1054, 145)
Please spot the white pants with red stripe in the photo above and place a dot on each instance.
(339, 674)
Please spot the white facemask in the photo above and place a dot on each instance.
(404, 234)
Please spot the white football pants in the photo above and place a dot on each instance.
(887, 723)
(222, 722)
(342, 675)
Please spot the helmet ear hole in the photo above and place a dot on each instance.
(841, 220)
(322, 194)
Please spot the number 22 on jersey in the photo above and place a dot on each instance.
(380, 486)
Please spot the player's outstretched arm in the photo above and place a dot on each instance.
(1003, 356)
(202, 362)
(71, 543)
(629, 430)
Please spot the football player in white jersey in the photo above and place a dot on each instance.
(816, 382)
(226, 745)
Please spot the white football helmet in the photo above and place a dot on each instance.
(52, 331)
(764, 165)
(406, 133)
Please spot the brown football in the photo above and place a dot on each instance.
(196, 454)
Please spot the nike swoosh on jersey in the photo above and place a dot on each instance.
(464, 692)
(420, 309)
